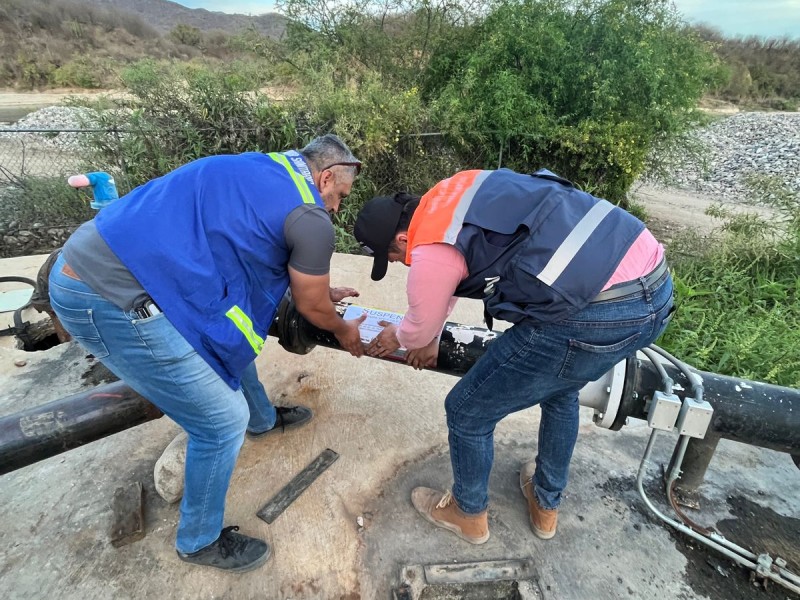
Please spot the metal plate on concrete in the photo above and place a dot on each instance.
(281, 501)
(487, 580)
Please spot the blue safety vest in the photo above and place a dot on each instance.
(206, 242)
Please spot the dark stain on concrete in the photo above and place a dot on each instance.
(709, 573)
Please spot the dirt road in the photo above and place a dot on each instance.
(671, 211)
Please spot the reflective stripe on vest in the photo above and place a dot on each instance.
(245, 325)
(299, 180)
(574, 242)
(441, 211)
(460, 211)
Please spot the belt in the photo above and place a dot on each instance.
(631, 287)
(67, 270)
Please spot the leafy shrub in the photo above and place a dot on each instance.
(83, 72)
(49, 201)
(557, 73)
(176, 115)
(186, 34)
(32, 71)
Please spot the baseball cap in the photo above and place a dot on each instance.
(375, 227)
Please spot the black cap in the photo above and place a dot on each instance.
(375, 228)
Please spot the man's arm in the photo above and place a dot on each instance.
(311, 295)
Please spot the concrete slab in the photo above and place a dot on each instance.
(386, 421)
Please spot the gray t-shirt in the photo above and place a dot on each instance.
(308, 231)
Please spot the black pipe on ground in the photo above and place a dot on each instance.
(44, 431)
(460, 346)
(749, 412)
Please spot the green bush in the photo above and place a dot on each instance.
(187, 35)
(545, 74)
(603, 158)
(49, 201)
(32, 71)
(176, 115)
(83, 72)
(371, 117)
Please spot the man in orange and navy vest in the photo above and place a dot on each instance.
(584, 283)
(174, 287)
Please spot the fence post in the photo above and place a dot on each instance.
(120, 156)
(500, 158)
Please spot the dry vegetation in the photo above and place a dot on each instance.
(61, 43)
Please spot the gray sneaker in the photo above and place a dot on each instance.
(287, 418)
(231, 551)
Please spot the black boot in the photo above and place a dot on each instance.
(231, 551)
(288, 417)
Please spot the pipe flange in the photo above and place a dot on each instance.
(616, 384)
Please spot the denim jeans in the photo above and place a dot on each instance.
(151, 357)
(545, 364)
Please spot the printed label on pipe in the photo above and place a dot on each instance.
(369, 329)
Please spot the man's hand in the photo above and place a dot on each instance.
(385, 342)
(426, 357)
(350, 337)
(311, 295)
(338, 294)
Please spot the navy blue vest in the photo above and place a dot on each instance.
(538, 248)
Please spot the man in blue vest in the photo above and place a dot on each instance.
(174, 287)
(584, 283)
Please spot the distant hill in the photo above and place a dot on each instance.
(164, 15)
(86, 43)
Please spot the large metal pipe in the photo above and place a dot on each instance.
(745, 411)
(67, 423)
(749, 412)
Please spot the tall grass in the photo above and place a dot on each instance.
(737, 293)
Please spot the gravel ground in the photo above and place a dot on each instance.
(740, 146)
(55, 118)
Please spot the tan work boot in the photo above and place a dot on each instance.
(543, 520)
(440, 508)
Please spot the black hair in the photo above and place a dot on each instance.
(410, 203)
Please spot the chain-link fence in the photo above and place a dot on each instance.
(38, 210)
(39, 153)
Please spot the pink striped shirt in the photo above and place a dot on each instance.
(437, 269)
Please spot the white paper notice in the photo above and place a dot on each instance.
(370, 328)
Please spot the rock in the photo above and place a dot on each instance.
(168, 472)
(20, 362)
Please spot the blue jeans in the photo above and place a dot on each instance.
(155, 360)
(544, 364)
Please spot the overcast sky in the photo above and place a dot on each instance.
(768, 18)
